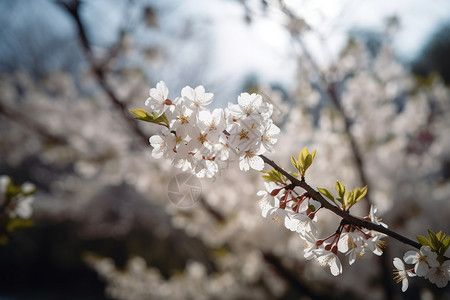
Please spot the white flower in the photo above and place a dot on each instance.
(247, 105)
(328, 258)
(196, 98)
(159, 145)
(213, 123)
(270, 205)
(423, 260)
(251, 159)
(205, 168)
(302, 223)
(183, 159)
(200, 140)
(373, 218)
(375, 244)
(244, 134)
(269, 135)
(352, 244)
(440, 275)
(164, 144)
(223, 151)
(401, 274)
(311, 244)
(157, 100)
(182, 117)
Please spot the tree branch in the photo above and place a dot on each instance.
(341, 213)
(73, 9)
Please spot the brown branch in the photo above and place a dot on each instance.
(73, 9)
(341, 213)
(25, 121)
(331, 88)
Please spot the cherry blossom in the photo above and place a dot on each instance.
(158, 98)
(401, 274)
(330, 259)
(439, 275)
(196, 98)
(423, 260)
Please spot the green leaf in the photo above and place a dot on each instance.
(433, 239)
(340, 189)
(348, 199)
(440, 236)
(305, 160)
(327, 194)
(302, 156)
(313, 154)
(143, 115)
(275, 176)
(294, 162)
(359, 193)
(308, 161)
(423, 240)
(446, 243)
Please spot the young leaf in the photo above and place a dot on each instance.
(275, 176)
(326, 193)
(295, 163)
(143, 115)
(433, 239)
(423, 241)
(446, 243)
(348, 199)
(302, 156)
(359, 193)
(340, 189)
(313, 154)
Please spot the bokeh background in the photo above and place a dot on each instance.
(364, 83)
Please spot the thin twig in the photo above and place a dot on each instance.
(73, 8)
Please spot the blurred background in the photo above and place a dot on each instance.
(364, 83)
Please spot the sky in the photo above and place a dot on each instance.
(332, 19)
(264, 47)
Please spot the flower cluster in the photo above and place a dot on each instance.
(196, 139)
(426, 264)
(204, 142)
(297, 212)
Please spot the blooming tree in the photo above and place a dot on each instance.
(381, 150)
(196, 141)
